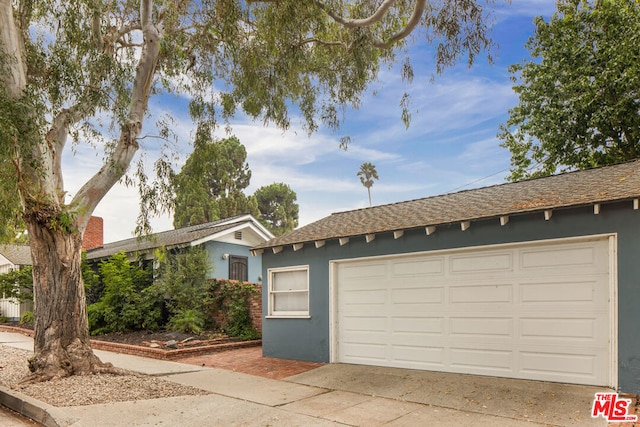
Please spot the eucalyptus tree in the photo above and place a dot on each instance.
(82, 72)
(367, 174)
(579, 94)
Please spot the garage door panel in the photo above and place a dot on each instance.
(565, 259)
(574, 329)
(481, 360)
(418, 324)
(559, 364)
(364, 272)
(482, 327)
(486, 263)
(424, 357)
(570, 291)
(478, 294)
(418, 267)
(531, 311)
(418, 296)
(364, 323)
(365, 299)
(375, 354)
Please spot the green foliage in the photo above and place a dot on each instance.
(233, 299)
(27, 318)
(189, 321)
(278, 207)
(17, 284)
(129, 302)
(209, 185)
(578, 95)
(182, 282)
(93, 286)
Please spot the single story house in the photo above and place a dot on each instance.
(228, 242)
(14, 257)
(538, 279)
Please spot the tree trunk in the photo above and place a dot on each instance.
(61, 345)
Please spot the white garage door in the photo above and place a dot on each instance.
(530, 311)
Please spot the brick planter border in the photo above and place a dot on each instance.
(154, 353)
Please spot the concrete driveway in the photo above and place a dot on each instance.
(430, 398)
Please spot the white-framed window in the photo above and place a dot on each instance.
(289, 291)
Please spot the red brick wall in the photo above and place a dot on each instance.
(255, 307)
(94, 234)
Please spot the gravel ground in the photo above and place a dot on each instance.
(85, 389)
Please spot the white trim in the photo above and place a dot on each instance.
(464, 225)
(250, 225)
(636, 204)
(596, 209)
(297, 246)
(504, 220)
(370, 238)
(613, 310)
(398, 234)
(547, 214)
(430, 229)
(270, 294)
(343, 241)
(277, 249)
(613, 286)
(319, 243)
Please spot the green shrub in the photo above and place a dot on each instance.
(233, 299)
(182, 281)
(27, 318)
(189, 321)
(129, 302)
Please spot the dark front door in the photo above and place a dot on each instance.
(238, 268)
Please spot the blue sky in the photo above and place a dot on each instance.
(451, 144)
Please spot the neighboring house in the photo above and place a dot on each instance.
(14, 257)
(228, 242)
(538, 279)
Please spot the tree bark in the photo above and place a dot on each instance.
(61, 345)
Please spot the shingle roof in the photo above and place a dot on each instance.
(599, 185)
(17, 254)
(180, 236)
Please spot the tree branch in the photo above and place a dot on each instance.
(376, 17)
(358, 23)
(418, 11)
(118, 162)
(14, 78)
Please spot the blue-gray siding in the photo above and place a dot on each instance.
(220, 266)
(308, 339)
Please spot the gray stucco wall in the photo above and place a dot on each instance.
(221, 266)
(308, 339)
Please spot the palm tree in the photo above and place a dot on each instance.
(367, 174)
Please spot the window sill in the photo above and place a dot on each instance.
(284, 316)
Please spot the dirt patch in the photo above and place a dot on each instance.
(165, 339)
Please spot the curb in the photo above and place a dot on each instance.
(28, 406)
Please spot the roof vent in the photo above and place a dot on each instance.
(238, 235)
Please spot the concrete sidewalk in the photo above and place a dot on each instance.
(330, 395)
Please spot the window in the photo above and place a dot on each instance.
(238, 268)
(289, 292)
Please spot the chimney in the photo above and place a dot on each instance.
(93, 235)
